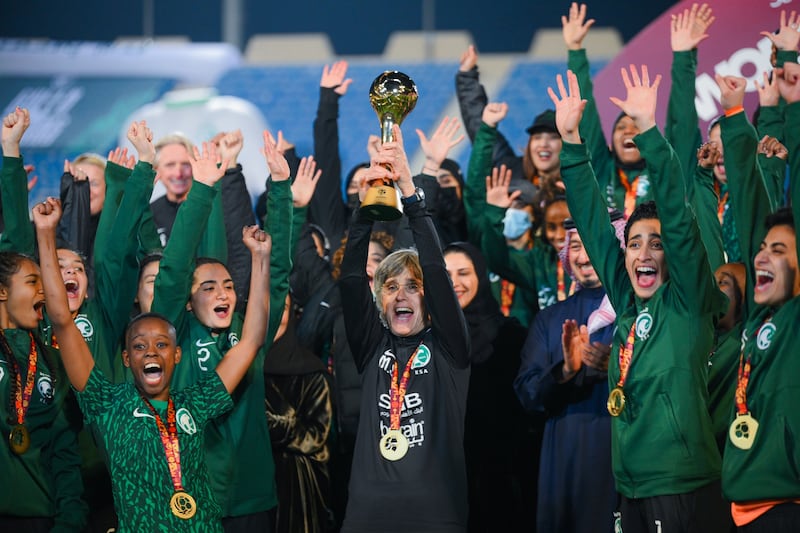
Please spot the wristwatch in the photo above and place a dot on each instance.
(418, 196)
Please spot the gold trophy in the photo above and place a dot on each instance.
(393, 95)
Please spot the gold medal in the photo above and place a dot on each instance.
(743, 431)
(393, 445)
(19, 439)
(616, 401)
(183, 505)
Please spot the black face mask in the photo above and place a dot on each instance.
(449, 207)
(353, 202)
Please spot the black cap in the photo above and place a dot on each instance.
(527, 191)
(545, 121)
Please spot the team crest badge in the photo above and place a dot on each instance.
(765, 334)
(423, 357)
(84, 326)
(45, 386)
(185, 421)
(644, 322)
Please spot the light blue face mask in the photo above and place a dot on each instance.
(515, 223)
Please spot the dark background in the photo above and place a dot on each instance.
(354, 26)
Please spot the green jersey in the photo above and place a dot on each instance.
(140, 476)
(665, 413)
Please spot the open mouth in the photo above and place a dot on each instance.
(544, 154)
(645, 276)
(628, 144)
(763, 280)
(152, 372)
(72, 288)
(39, 308)
(222, 311)
(404, 314)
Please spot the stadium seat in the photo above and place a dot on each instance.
(602, 43)
(426, 46)
(288, 48)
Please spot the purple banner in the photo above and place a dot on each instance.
(734, 47)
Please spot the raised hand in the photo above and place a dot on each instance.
(569, 107)
(76, 173)
(277, 164)
(120, 157)
(32, 180)
(732, 91)
(574, 27)
(788, 35)
(257, 241)
(768, 94)
(229, 146)
(205, 164)
(640, 102)
(373, 145)
(573, 339)
(14, 126)
(443, 139)
(394, 155)
(305, 182)
(772, 147)
(789, 82)
(141, 137)
(335, 77)
(707, 155)
(47, 214)
(497, 188)
(469, 59)
(689, 28)
(493, 113)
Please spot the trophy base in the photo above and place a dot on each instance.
(380, 204)
(380, 213)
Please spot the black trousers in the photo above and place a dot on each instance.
(701, 511)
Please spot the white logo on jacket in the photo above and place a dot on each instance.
(765, 334)
(185, 421)
(85, 326)
(644, 322)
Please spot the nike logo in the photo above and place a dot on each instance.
(200, 344)
(139, 414)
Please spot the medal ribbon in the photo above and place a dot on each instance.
(625, 356)
(630, 191)
(398, 390)
(507, 290)
(743, 378)
(169, 438)
(22, 398)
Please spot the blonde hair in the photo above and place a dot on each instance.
(173, 138)
(90, 158)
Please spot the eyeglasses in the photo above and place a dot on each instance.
(392, 288)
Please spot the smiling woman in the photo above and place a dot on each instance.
(411, 347)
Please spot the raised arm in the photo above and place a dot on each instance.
(749, 197)
(447, 319)
(174, 280)
(471, 100)
(480, 166)
(574, 28)
(685, 253)
(117, 268)
(278, 225)
(687, 31)
(239, 358)
(77, 358)
(326, 207)
(704, 200)
(771, 124)
(18, 233)
(586, 204)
